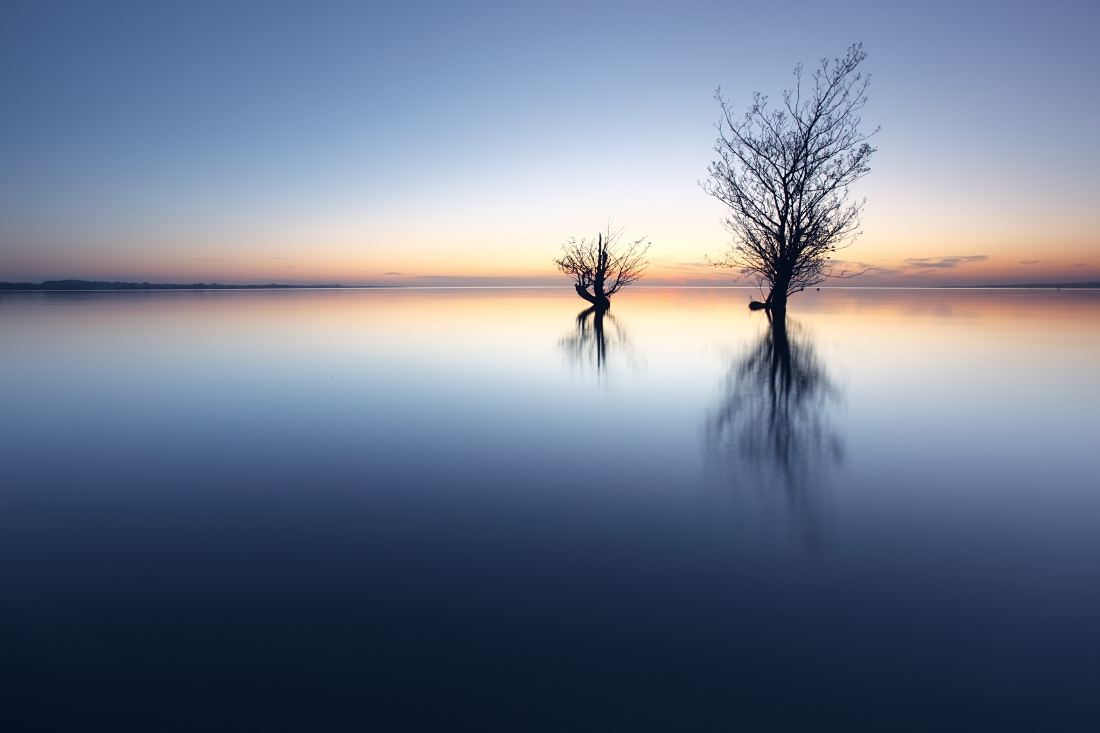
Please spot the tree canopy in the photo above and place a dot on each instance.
(784, 175)
(601, 267)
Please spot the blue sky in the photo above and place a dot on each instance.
(300, 142)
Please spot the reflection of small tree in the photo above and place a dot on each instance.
(784, 174)
(601, 267)
(596, 335)
(773, 424)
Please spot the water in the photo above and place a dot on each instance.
(450, 509)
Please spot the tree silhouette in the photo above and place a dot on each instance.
(601, 267)
(784, 174)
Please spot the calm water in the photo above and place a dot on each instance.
(475, 509)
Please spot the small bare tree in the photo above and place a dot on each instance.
(785, 173)
(601, 267)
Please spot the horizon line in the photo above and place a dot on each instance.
(130, 286)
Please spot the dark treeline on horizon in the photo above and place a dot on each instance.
(103, 285)
(1034, 285)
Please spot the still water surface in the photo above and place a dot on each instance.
(448, 509)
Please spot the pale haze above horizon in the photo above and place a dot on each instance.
(436, 142)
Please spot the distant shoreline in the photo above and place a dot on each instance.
(1033, 286)
(97, 285)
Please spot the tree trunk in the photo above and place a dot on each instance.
(777, 299)
(600, 300)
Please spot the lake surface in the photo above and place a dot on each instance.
(475, 509)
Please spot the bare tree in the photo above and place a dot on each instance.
(601, 267)
(785, 173)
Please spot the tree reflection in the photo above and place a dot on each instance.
(596, 338)
(773, 429)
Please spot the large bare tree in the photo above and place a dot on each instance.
(601, 267)
(785, 174)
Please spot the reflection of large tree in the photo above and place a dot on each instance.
(773, 425)
(595, 337)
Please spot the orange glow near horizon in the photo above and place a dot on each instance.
(928, 266)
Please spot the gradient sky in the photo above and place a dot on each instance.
(462, 143)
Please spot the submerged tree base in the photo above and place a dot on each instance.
(600, 302)
(756, 305)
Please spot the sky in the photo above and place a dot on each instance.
(463, 143)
